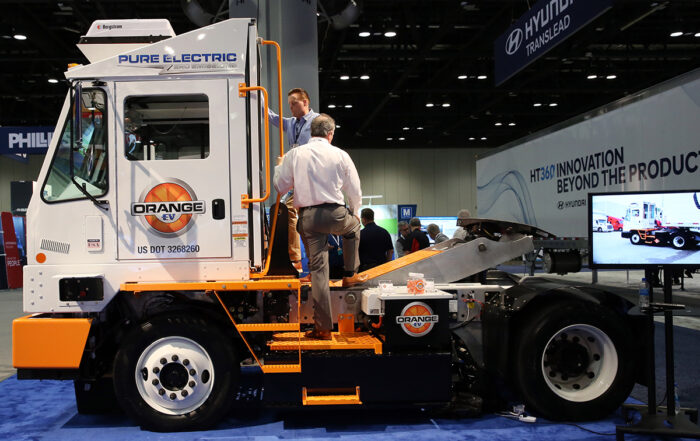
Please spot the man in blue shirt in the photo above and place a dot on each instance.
(298, 131)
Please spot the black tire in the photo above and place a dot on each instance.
(680, 242)
(93, 397)
(600, 230)
(176, 393)
(590, 351)
(635, 238)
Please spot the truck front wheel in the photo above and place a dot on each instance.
(176, 373)
(635, 238)
(574, 361)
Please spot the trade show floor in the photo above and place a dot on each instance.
(33, 410)
(46, 409)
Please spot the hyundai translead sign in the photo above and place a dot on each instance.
(32, 140)
(545, 25)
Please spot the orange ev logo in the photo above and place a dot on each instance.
(168, 208)
(417, 319)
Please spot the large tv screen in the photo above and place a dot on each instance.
(644, 229)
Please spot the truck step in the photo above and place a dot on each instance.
(280, 368)
(292, 341)
(259, 327)
(311, 397)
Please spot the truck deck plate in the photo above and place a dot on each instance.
(290, 341)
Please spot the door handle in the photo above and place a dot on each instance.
(218, 209)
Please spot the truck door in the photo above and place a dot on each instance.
(172, 169)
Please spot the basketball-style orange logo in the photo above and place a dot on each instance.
(169, 208)
(417, 319)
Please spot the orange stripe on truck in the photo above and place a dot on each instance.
(48, 343)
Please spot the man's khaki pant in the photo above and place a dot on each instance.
(315, 224)
(293, 216)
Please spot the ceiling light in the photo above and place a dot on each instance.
(697, 34)
(20, 37)
(402, 139)
(364, 34)
(553, 104)
(537, 105)
(429, 105)
(344, 77)
(445, 104)
(419, 128)
(53, 80)
(611, 77)
(483, 138)
(498, 124)
(511, 124)
(390, 139)
(462, 77)
(673, 34)
(337, 126)
(481, 77)
(348, 106)
(364, 77)
(592, 76)
(471, 138)
(406, 128)
(390, 34)
(331, 106)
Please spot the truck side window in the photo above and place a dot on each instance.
(90, 157)
(166, 127)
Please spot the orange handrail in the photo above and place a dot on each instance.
(279, 88)
(245, 200)
(270, 242)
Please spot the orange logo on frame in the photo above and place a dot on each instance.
(417, 319)
(169, 208)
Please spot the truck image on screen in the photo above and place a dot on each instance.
(674, 221)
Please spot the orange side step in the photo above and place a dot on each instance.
(260, 327)
(281, 368)
(320, 400)
(291, 341)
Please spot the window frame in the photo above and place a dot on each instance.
(69, 119)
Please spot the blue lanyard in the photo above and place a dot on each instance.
(297, 133)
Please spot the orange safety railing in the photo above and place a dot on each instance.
(245, 200)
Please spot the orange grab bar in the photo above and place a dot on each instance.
(245, 200)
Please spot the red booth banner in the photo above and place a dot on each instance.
(13, 265)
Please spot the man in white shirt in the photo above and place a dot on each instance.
(298, 131)
(323, 176)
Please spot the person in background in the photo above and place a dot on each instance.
(298, 131)
(323, 176)
(435, 233)
(417, 240)
(375, 242)
(461, 232)
(401, 244)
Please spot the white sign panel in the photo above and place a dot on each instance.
(651, 144)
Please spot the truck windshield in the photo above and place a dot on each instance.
(89, 157)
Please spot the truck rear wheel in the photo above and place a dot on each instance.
(635, 238)
(176, 373)
(679, 242)
(574, 361)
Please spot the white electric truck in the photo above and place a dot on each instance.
(673, 220)
(153, 270)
